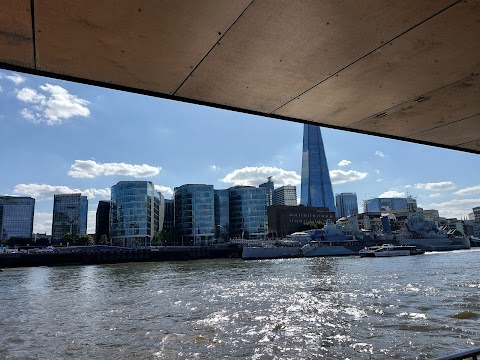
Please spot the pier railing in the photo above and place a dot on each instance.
(471, 354)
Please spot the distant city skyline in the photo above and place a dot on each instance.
(61, 137)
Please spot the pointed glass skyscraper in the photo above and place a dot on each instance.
(316, 184)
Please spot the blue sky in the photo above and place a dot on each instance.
(59, 137)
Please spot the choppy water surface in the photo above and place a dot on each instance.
(352, 308)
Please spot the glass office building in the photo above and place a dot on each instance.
(248, 212)
(69, 216)
(16, 217)
(389, 204)
(269, 185)
(102, 220)
(169, 219)
(316, 188)
(221, 214)
(347, 204)
(136, 213)
(194, 214)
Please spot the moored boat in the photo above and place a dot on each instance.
(389, 250)
(272, 250)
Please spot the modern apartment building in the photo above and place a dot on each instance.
(248, 212)
(136, 213)
(347, 204)
(16, 217)
(285, 195)
(70, 213)
(194, 214)
(316, 188)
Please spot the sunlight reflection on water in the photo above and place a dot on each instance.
(295, 308)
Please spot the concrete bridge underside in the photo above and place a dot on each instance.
(401, 69)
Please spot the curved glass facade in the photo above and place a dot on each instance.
(136, 213)
(194, 214)
(248, 212)
(316, 184)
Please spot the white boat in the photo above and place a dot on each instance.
(389, 250)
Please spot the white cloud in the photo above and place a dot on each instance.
(28, 115)
(438, 186)
(344, 163)
(341, 177)
(436, 195)
(379, 153)
(45, 191)
(42, 222)
(407, 186)
(377, 171)
(468, 191)
(56, 105)
(214, 167)
(91, 169)
(455, 208)
(166, 191)
(255, 176)
(392, 193)
(16, 78)
(31, 96)
(379, 180)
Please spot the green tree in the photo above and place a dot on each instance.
(77, 240)
(104, 240)
(311, 225)
(164, 237)
(18, 241)
(84, 240)
(42, 242)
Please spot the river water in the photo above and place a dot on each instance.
(415, 307)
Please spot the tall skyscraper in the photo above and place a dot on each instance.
(16, 217)
(136, 213)
(316, 184)
(285, 195)
(69, 216)
(102, 220)
(347, 204)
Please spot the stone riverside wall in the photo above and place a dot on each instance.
(111, 255)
